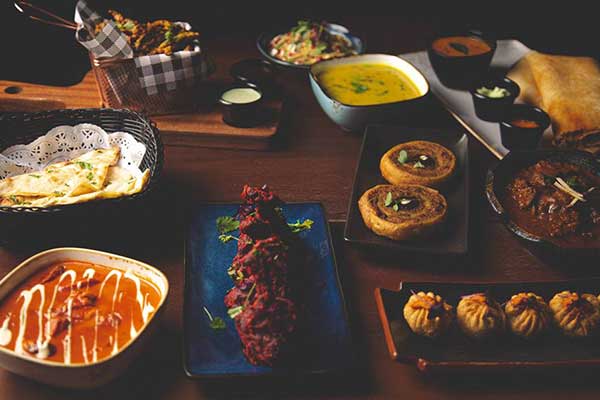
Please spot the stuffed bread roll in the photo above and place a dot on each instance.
(402, 211)
(419, 162)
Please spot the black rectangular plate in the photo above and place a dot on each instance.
(455, 350)
(453, 238)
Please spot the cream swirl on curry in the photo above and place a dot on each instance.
(76, 312)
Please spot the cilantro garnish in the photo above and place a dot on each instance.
(402, 156)
(226, 238)
(359, 87)
(15, 200)
(301, 226)
(215, 323)
(227, 224)
(388, 199)
(85, 165)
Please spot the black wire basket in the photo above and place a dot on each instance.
(24, 128)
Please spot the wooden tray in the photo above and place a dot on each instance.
(454, 351)
(204, 128)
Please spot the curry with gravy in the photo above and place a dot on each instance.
(362, 84)
(558, 201)
(76, 312)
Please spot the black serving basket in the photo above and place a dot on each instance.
(79, 220)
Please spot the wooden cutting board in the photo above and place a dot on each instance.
(202, 128)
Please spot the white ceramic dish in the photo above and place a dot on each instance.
(92, 374)
(356, 118)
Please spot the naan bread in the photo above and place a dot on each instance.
(92, 176)
(568, 89)
(84, 174)
(119, 182)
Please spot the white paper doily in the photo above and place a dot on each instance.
(66, 142)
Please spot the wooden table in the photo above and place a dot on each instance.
(315, 160)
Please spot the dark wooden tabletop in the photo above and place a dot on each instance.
(314, 160)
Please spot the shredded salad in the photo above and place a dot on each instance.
(309, 42)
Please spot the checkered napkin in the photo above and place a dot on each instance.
(155, 72)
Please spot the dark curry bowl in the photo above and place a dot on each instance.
(494, 108)
(523, 138)
(464, 71)
(499, 176)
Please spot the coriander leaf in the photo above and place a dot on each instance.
(226, 238)
(227, 224)
(402, 156)
(129, 25)
(301, 226)
(217, 323)
(395, 207)
(85, 165)
(90, 177)
(359, 87)
(235, 311)
(388, 199)
(15, 200)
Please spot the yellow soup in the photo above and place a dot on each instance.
(367, 84)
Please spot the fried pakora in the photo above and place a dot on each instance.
(155, 37)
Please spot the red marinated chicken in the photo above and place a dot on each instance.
(261, 302)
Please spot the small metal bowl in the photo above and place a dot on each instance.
(491, 108)
(523, 138)
(241, 114)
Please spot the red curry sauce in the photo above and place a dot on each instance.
(460, 46)
(76, 312)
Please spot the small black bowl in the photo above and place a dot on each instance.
(253, 71)
(242, 114)
(516, 137)
(462, 72)
(491, 108)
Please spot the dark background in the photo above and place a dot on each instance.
(35, 52)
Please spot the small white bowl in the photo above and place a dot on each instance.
(92, 374)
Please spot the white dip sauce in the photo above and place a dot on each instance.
(241, 95)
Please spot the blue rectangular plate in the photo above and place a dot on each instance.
(325, 334)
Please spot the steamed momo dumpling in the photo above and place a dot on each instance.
(427, 314)
(528, 314)
(576, 315)
(479, 316)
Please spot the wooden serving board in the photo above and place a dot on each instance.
(204, 128)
